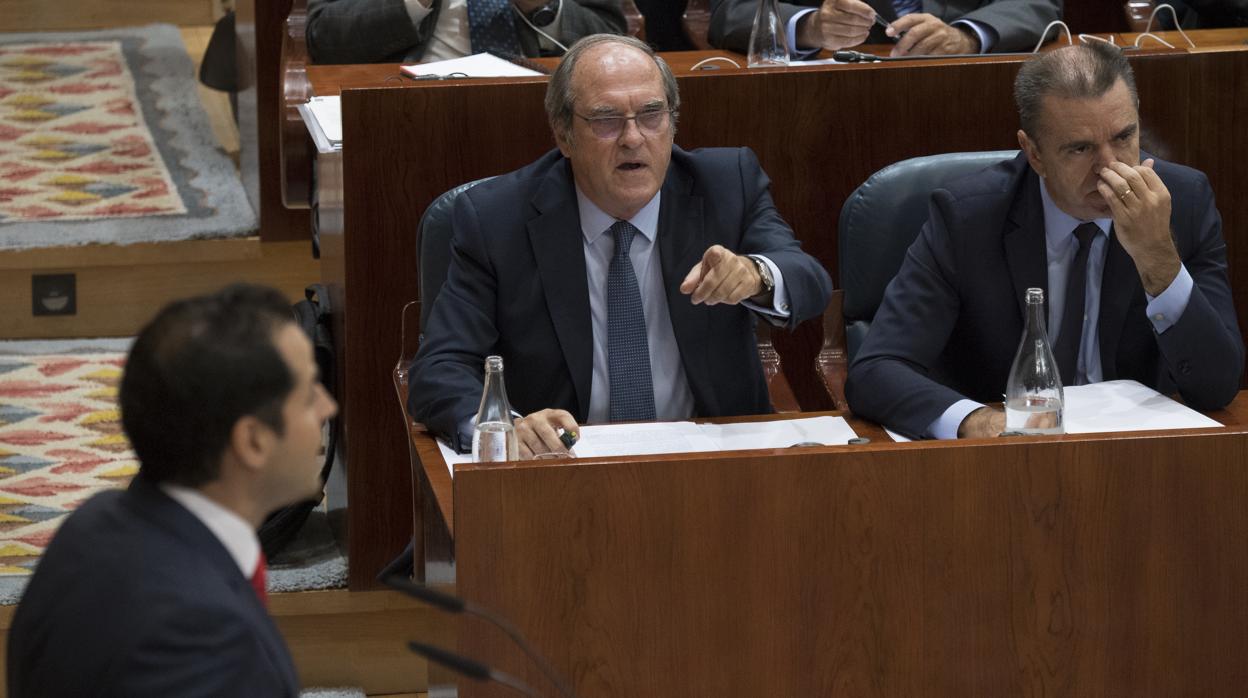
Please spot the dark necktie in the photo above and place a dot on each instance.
(628, 350)
(492, 28)
(259, 580)
(1068, 339)
(905, 7)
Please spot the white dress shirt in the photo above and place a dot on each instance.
(238, 537)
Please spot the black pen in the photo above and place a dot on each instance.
(880, 21)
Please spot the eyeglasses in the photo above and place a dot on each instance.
(650, 123)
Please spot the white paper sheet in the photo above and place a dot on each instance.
(1123, 405)
(611, 440)
(1126, 406)
(478, 65)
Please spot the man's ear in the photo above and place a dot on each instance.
(563, 140)
(1032, 150)
(252, 441)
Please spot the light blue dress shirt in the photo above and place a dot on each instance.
(987, 35)
(672, 397)
(1061, 246)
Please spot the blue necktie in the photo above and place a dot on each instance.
(492, 28)
(628, 350)
(905, 7)
(1071, 334)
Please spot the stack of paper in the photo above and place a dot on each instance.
(323, 117)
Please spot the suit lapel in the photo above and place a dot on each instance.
(1118, 284)
(559, 248)
(1025, 251)
(682, 241)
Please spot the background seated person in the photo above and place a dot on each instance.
(407, 31)
(612, 274)
(1130, 255)
(925, 27)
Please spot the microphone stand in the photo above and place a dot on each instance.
(467, 667)
(454, 604)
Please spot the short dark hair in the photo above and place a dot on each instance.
(1078, 72)
(561, 98)
(197, 368)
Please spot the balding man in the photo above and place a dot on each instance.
(1130, 254)
(619, 276)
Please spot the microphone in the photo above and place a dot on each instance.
(454, 604)
(860, 57)
(467, 667)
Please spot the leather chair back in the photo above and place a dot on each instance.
(881, 219)
(433, 247)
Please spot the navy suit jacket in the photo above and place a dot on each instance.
(951, 319)
(136, 597)
(517, 287)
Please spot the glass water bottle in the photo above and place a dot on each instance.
(769, 42)
(1033, 393)
(494, 435)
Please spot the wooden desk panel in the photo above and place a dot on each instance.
(1077, 565)
(819, 132)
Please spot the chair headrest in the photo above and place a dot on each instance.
(433, 246)
(883, 216)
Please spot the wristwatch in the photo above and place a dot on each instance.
(544, 15)
(764, 272)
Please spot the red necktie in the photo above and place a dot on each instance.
(258, 581)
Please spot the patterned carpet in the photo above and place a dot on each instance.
(103, 140)
(60, 441)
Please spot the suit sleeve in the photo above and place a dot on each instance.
(199, 653)
(890, 380)
(359, 31)
(1017, 23)
(446, 379)
(1204, 351)
(732, 21)
(580, 18)
(767, 234)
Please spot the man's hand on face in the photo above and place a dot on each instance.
(537, 434)
(926, 35)
(1140, 205)
(722, 277)
(837, 24)
(983, 423)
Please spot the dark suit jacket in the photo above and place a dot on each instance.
(135, 597)
(517, 287)
(1018, 23)
(951, 319)
(381, 31)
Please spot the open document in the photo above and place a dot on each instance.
(1121, 406)
(608, 440)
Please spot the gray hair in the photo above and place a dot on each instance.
(1073, 72)
(561, 97)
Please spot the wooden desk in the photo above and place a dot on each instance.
(1076, 565)
(819, 132)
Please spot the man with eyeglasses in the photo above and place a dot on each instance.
(619, 276)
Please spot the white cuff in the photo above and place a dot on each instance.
(946, 425)
(1167, 308)
(417, 11)
(779, 296)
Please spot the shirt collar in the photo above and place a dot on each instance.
(235, 534)
(1058, 225)
(595, 222)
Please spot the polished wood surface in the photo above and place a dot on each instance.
(818, 131)
(260, 27)
(1072, 565)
